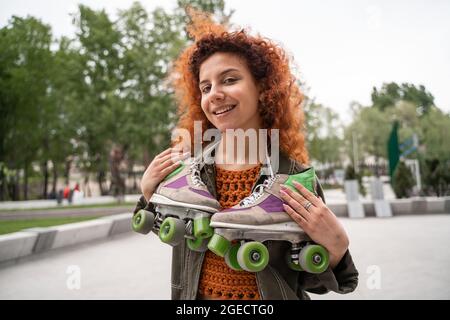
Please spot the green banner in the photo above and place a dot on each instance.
(393, 149)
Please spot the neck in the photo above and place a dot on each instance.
(240, 149)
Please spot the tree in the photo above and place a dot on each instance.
(391, 93)
(370, 128)
(25, 63)
(64, 101)
(323, 130)
(103, 93)
(403, 181)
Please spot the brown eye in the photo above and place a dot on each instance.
(205, 89)
(229, 80)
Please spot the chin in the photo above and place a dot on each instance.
(223, 127)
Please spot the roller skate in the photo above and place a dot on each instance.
(183, 207)
(240, 230)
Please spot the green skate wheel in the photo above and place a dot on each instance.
(253, 256)
(231, 257)
(172, 231)
(219, 245)
(314, 258)
(199, 244)
(143, 221)
(291, 264)
(202, 228)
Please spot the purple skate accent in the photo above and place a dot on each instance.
(271, 204)
(179, 183)
(202, 193)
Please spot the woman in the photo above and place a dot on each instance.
(228, 81)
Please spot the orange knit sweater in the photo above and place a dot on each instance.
(217, 280)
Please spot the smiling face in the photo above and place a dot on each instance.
(229, 94)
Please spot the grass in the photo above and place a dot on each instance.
(84, 206)
(9, 226)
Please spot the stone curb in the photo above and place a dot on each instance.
(400, 207)
(36, 240)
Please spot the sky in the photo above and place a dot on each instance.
(342, 49)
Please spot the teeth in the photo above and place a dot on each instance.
(224, 110)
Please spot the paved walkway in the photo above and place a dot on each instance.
(403, 257)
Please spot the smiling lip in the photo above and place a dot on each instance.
(226, 110)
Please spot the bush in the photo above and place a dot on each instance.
(436, 177)
(350, 173)
(402, 181)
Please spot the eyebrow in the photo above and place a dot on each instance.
(221, 74)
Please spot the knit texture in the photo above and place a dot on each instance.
(217, 280)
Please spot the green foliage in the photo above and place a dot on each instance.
(105, 88)
(9, 226)
(403, 181)
(350, 173)
(370, 131)
(413, 108)
(323, 130)
(391, 93)
(436, 177)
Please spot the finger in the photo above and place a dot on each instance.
(296, 217)
(173, 157)
(164, 153)
(307, 194)
(169, 169)
(167, 164)
(297, 207)
(296, 195)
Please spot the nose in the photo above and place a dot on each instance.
(216, 94)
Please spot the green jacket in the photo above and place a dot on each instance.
(277, 281)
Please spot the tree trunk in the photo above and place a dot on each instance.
(87, 189)
(55, 179)
(117, 155)
(45, 187)
(100, 178)
(135, 187)
(25, 182)
(2, 182)
(13, 187)
(67, 171)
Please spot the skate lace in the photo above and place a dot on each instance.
(195, 175)
(259, 191)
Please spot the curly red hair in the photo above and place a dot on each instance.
(281, 98)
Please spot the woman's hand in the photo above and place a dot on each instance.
(317, 220)
(163, 164)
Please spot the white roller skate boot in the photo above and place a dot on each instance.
(183, 208)
(261, 217)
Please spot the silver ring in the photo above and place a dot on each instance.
(307, 205)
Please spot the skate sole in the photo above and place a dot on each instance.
(290, 226)
(158, 199)
(262, 235)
